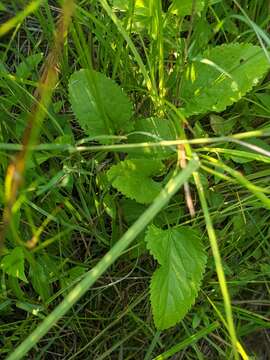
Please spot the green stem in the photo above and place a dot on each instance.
(216, 254)
(218, 263)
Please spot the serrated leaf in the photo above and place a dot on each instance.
(100, 105)
(152, 130)
(13, 264)
(133, 178)
(185, 7)
(175, 285)
(221, 77)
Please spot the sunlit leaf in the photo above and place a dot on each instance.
(222, 76)
(185, 7)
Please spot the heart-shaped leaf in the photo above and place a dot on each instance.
(222, 76)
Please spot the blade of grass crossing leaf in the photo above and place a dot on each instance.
(216, 254)
(121, 147)
(84, 285)
(218, 263)
(258, 192)
(261, 35)
(10, 24)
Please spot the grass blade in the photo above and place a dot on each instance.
(218, 263)
(189, 341)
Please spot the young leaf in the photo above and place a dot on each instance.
(28, 66)
(185, 7)
(175, 285)
(133, 179)
(100, 105)
(13, 264)
(221, 77)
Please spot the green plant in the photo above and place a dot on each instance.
(223, 75)
(145, 87)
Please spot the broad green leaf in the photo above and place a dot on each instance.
(13, 264)
(140, 11)
(152, 130)
(100, 105)
(175, 285)
(133, 178)
(185, 7)
(221, 77)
